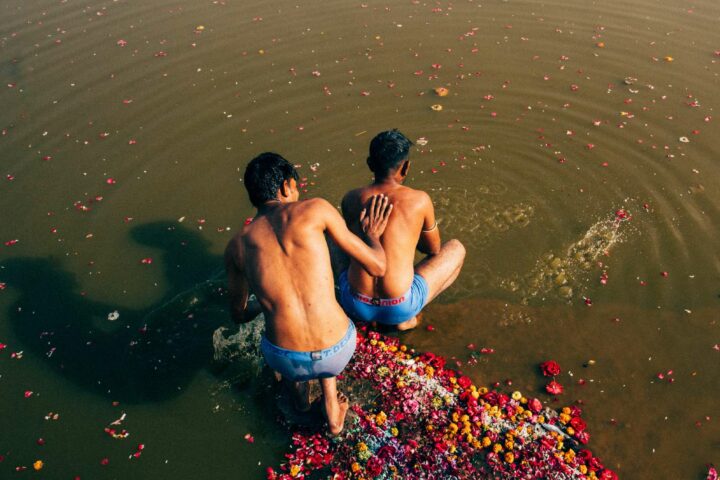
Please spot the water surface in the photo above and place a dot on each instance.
(577, 146)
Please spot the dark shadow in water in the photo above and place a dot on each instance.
(145, 355)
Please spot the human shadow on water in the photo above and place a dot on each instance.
(147, 354)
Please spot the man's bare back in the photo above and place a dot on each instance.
(283, 258)
(398, 296)
(287, 265)
(413, 213)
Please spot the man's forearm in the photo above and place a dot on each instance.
(243, 315)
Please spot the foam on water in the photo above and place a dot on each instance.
(564, 275)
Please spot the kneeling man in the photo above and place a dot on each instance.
(397, 297)
(282, 257)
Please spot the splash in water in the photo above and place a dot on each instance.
(564, 275)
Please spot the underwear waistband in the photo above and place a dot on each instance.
(380, 302)
(315, 355)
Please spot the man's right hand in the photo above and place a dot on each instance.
(373, 219)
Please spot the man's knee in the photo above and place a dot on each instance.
(456, 249)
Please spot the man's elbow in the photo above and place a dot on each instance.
(379, 268)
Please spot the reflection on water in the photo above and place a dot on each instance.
(118, 116)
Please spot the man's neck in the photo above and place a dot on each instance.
(269, 205)
(388, 181)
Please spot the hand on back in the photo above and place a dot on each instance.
(374, 218)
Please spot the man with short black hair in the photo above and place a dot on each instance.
(397, 297)
(283, 258)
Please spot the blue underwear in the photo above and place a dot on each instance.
(303, 366)
(389, 311)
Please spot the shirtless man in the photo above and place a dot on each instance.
(283, 258)
(397, 297)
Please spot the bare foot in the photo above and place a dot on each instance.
(410, 324)
(336, 419)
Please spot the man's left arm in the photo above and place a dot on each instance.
(240, 310)
(429, 242)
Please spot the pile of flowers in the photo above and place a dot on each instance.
(428, 421)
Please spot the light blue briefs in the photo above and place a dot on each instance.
(389, 311)
(299, 366)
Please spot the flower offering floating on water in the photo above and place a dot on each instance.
(432, 422)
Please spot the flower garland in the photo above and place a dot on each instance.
(431, 422)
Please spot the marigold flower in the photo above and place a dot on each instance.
(497, 448)
(509, 457)
(355, 467)
(583, 469)
(38, 465)
(294, 470)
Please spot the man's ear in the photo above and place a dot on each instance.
(285, 189)
(405, 168)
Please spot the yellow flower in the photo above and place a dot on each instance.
(464, 418)
(566, 410)
(564, 418)
(453, 428)
(469, 438)
(373, 342)
(583, 469)
(509, 457)
(570, 431)
(362, 447)
(509, 444)
(400, 384)
(429, 428)
(486, 442)
(380, 418)
(455, 417)
(541, 419)
(403, 348)
(38, 465)
(483, 390)
(475, 394)
(294, 470)
(497, 448)
(516, 395)
(355, 467)
(569, 456)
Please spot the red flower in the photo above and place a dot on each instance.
(554, 388)
(535, 405)
(608, 475)
(464, 382)
(375, 466)
(578, 424)
(550, 368)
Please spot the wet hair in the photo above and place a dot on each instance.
(264, 176)
(387, 151)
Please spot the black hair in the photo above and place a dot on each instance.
(264, 176)
(387, 151)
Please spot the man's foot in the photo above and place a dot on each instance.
(410, 324)
(335, 414)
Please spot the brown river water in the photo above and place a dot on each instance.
(575, 157)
